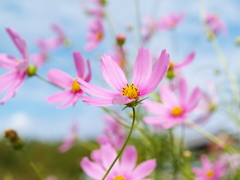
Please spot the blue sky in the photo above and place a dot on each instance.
(32, 116)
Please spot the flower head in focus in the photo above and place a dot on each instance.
(96, 34)
(64, 80)
(171, 73)
(122, 170)
(70, 138)
(209, 171)
(144, 81)
(215, 25)
(171, 21)
(174, 110)
(115, 134)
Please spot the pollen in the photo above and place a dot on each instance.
(119, 178)
(171, 65)
(130, 91)
(177, 111)
(210, 174)
(75, 86)
(99, 36)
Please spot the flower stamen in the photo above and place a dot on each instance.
(119, 178)
(177, 111)
(210, 174)
(99, 36)
(75, 86)
(130, 91)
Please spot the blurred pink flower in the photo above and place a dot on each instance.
(173, 110)
(215, 24)
(144, 81)
(18, 68)
(208, 103)
(115, 134)
(123, 169)
(118, 56)
(209, 171)
(64, 80)
(148, 28)
(171, 21)
(232, 162)
(95, 9)
(69, 140)
(95, 36)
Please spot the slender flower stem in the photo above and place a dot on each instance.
(173, 155)
(211, 137)
(123, 147)
(34, 167)
(45, 80)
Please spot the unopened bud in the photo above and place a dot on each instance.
(31, 70)
(13, 138)
(237, 41)
(103, 2)
(120, 39)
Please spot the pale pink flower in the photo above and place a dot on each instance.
(144, 81)
(215, 24)
(69, 140)
(174, 110)
(64, 80)
(209, 171)
(123, 168)
(95, 9)
(232, 162)
(95, 36)
(171, 21)
(208, 103)
(149, 27)
(118, 56)
(114, 133)
(18, 68)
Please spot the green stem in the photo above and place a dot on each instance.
(34, 167)
(43, 79)
(173, 155)
(123, 147)
(211, 137)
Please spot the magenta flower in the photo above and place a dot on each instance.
(14, 79)
(173, 110)
(122, 170)
(171, 21)
(115, 134)
(144, 81)
(64, 80)
(209, 171)
(69, 140)
(95, 36)
(215, 24)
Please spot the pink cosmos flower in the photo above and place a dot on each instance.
(96, 8)
(215, 24)
(95, 36)
(208, 104)
(115, 134)
(149, 28)
(14, 79)
(209, 171)
(64, 80)
(171, 73)
(173, 110)
(144, 81)
(69, 140)
(171, 21)
(122, 170)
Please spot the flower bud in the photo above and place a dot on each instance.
(187, 154)
(103, 2)
(120, 39)
(13, 138)
(31, 70)
(170, 73)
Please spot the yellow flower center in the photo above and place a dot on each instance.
(119, 178)
(130, 91)
(99, 36)
(210, 174)
(177, 111)
(75, 86)
(171, 65)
